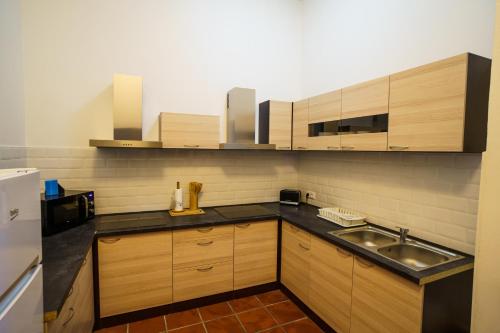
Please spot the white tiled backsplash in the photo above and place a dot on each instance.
(127, 180)
(435, 195)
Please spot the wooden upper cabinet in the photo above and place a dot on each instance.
(383, 302)
(300, 124)
(275, 124)
(325, 107)
(324, 121)
(191, 131)
(331, 284)
(366, 99)
(364, 116)
(441, 106)
(135, 272)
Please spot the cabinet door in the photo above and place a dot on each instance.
(364, 142)
(84, 311)
(331, 284)
(295, 260)
(366, 99)
(135, 272)
(189, 131)
(300, 124)
(427, 107)
(280, 125)
(325, 107)
(384, 302)
(255, 253)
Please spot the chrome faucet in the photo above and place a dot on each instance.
(403, 232)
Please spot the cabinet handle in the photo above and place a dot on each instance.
(71, 315)
(301, 148)
(84, 262)
(304, 247)
(243, 226)
(14, 212)
(343, 253)
(70, 292)
(398, 147)
(109, 240)
(205, 230)
(332, 148)
(192, 146)
(363, 263)
(294, 228)
(206, 269)
(347, 148)
(205, 243)
(284, 147)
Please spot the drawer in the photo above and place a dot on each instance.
(202, 280)
(300, 235)
(195, 247)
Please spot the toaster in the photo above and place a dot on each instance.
(290, 197)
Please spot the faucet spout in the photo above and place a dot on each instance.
(403, 233)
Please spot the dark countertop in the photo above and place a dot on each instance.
(64, 252)
(63, 255)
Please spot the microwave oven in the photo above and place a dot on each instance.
(67, 210)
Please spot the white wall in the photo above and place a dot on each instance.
(347, 42)
(190, 53)
(12, 131)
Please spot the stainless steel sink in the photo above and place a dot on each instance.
(367, 236)
(411, 253)
(416, 256)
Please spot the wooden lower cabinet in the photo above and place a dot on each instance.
(295, 260)
(135, 272)
(204, 280)
(384, 302)
(255, 253)
(77, 313)
(331, 284)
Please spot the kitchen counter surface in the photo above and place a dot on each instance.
(64, 253)
(62, 257)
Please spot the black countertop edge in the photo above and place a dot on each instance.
(63, 253)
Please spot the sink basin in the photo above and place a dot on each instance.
(366, 236)
(415, 256)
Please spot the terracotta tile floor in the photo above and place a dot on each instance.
(270, 312)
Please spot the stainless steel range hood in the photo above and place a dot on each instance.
(240, 121)
(127, 115)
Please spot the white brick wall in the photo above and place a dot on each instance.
(141, 180)
(12, 157)
(435, 195)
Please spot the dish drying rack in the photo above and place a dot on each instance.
(342, 216)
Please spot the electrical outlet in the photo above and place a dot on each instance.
(311, 195)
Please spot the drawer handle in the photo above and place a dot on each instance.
(14, 213)
(71, 315)
(304, 247)
(363, 263)
(205, 243)
(243, 226)
(205, 230)
(284, 147)
(398, 147)
(109, 240)
(343, 253)
(302, 148)
(347, 148)
(206, 269)
(192, 146)
(84, 262)
(332, 148)
(70, 292)
(294, 228)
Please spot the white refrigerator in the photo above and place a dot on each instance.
(21, 292)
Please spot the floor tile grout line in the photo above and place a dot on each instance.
(237, 318)
(202, 321)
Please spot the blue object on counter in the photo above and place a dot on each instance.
(51, 187)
